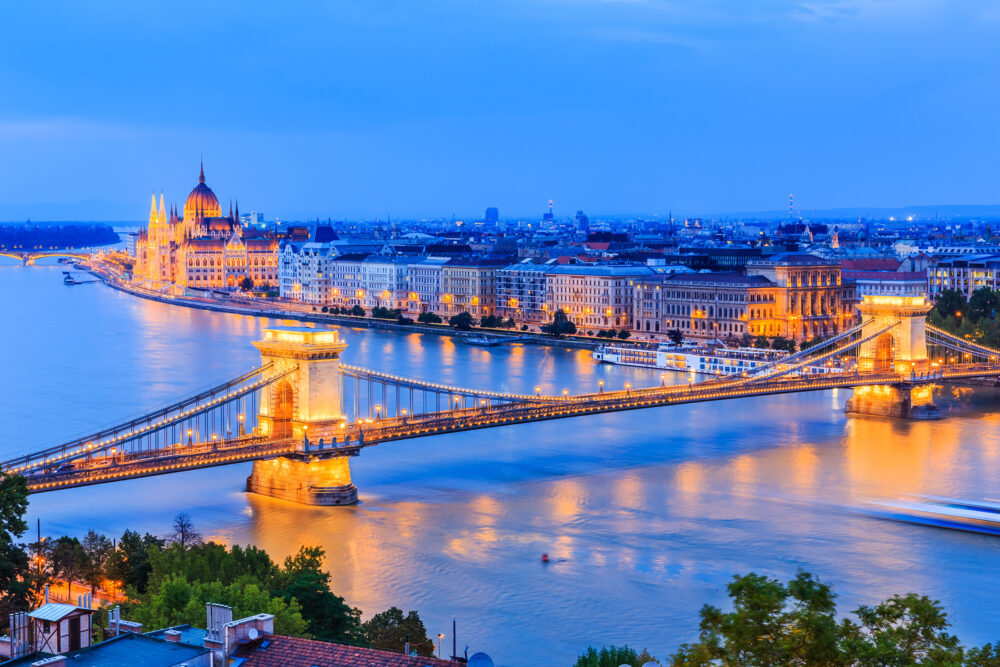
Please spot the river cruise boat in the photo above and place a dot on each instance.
(700, 359)
(952, 513)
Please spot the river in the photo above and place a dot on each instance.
(646, 515)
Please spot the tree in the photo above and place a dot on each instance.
(67, 560)
(329, 617)
(560, 325)
(17, 582)
(389, 630)
(609, 656)
(130, 562)
(903, 630)
(782, 343)
(184, 533)
(624, 334)
(806, 344)
(950, 303)
(761, 342)
(97, 550)
(324, 309)
(462, 321)
(983, 304)
(357, 311)
(428, 318)
(675, 336)
(246, 284)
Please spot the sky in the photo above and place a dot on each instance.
(434, 108)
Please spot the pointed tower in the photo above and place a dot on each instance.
(201, 176)
(152, 211)
(162, 216)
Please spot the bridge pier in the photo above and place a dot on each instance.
(904, 401)
(306, 402)
(306, 480)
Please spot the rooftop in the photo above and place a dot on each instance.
(126, 649)
(274, 650)
(53, 611)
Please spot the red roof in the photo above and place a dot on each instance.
(295, 652)
(870, 264)
(884, 275)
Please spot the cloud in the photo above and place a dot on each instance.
(63, 129)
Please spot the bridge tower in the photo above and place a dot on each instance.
(901, 350)
(303, 407)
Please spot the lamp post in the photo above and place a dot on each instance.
(538, 391)
(190, 431)
(440, 637)
(628, 388)
(378, 411)
(600, 386)
(663, 380)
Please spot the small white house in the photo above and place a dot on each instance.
(60, 628)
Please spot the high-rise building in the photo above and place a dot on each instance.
(492, 215)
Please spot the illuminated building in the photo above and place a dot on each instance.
(522, 291)
(200, 248)
(809, 303)
(469, 286)
(594, 297)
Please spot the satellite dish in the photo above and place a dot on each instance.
(253, 634)
(650, 664)
(480, 660)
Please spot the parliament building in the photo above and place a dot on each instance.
(201, 248)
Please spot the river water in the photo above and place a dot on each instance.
(646, 515)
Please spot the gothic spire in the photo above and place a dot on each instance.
(201, 176)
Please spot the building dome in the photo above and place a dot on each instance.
(202, 200)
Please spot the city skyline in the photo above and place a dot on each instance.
(613, 108)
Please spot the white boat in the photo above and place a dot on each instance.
(701, 359)
(952, 513)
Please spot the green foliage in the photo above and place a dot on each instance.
(428, 318)
(782, 343)
(176, 601)
(357, 311)
(17, 583)
(806, 344)
(130, 562)
(624, 334)
(761, 342)
(385, 313)
(97, 550)
(950, 303)
(773, 624)
(246, 284)
(495, 322)
(304, 580)
(675, 336)
(182, 578)
(609, 656)
(67, 560)
(324, 309)
(389, 631)
(983, 304)
(559, 325)
(462, 321)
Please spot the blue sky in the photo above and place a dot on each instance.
(433, 108)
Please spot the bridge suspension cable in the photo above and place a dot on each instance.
(186, 410)
(959, 344)
(400, 381)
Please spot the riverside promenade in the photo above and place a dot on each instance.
(301, 313)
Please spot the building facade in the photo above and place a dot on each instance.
(964, 274)
(522, 292)
(594, 297)
(469, 286)
(200, 248)
(809, 304)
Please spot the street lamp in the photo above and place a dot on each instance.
(565, 393)
(538, 391)
(190, 431)
(663, 380)
(600, 384)
(440, 637)
(378, 411)
(628, 387)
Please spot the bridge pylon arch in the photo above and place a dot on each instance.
(901, 349)
(303, 407)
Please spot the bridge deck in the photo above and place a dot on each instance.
(350, 438)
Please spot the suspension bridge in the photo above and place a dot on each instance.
(288, 417)
(28, 257)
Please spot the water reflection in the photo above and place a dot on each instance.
(646, 514)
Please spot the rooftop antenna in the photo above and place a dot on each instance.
(791, 207)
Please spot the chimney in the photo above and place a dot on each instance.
(46, 593)
(172, 635)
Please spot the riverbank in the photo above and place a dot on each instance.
(274, 310)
